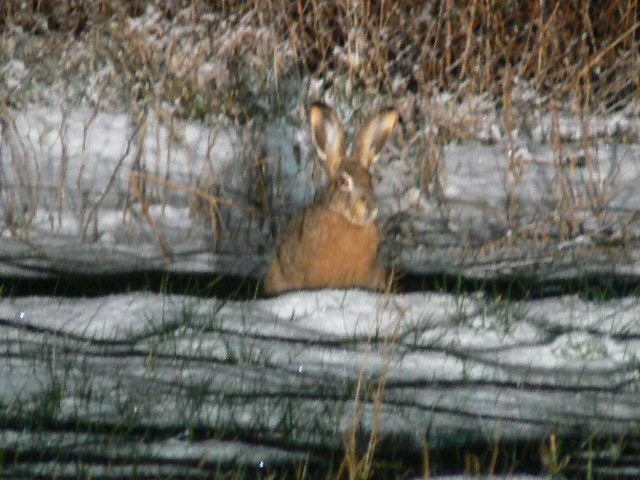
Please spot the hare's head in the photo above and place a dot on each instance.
(350, 186)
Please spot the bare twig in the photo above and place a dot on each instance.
(93, 214)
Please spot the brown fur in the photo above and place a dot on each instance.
(334, 242)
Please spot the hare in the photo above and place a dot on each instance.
(334, 242)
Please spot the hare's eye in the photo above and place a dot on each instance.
(345, 182)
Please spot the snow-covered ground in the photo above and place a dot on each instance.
(70, 204)
(196, 381)
(457, 368)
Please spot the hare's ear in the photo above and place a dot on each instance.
(373, 137)
(328, 137)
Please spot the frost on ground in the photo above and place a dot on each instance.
(215, 198)
(197, 382)
(292, 375)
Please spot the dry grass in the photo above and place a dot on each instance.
(454, 66)
(449, 65)
(193, 51)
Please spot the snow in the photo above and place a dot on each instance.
(81, 163)
(456, 366)
(450, 374)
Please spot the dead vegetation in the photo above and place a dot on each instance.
(180, 50)
(452, 69)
